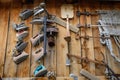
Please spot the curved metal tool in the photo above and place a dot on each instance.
(107, 41)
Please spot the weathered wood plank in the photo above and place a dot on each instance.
(4, 19)
(61, 47)
(10, 68)
(75, 47)
(98, 48)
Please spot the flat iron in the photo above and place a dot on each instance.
(38, 54)
(19, 57)
(20, 46)
(22, 34)
(40, 71)
(35, 40)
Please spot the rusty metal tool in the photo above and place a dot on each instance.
(51, 33)
(19, 57)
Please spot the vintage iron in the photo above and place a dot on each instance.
(35, 40)
(26, 14)
(19, 57)
(19, 27)
(40, 71)
(20, 46)
(22, 34)
(38, 54)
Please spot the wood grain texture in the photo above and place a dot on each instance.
(98, 48)
(75, 47)
(10, 67)
(4, 20)
(85, 48)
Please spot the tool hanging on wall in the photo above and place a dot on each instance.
(113, 30)
(40, 71)
(21, 30)
(109, 72)
(51, 33)
(18, 52)
(67, 12)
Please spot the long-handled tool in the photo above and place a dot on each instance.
(67, 12)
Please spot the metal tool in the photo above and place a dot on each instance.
(19, 27)
(45, 34)
(38, 54)
(19, 57)
(21, 35)
(67, 12)
(110, 73)
(20, 46)
(55, 19)
(104, 32)
(35, 40)
(40, 20)
(40, 71)
(88, 75)
(73, 76)
(25, 14)
(51, 33)
(40, 9)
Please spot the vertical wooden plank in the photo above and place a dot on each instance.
(87, 45)
(61, 46)
(75, 46)
(10, 67)
(24, 67)
(90, 46)
(36, 29)
(4, 20)
(98, 48)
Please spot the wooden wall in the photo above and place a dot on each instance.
(85, 48)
